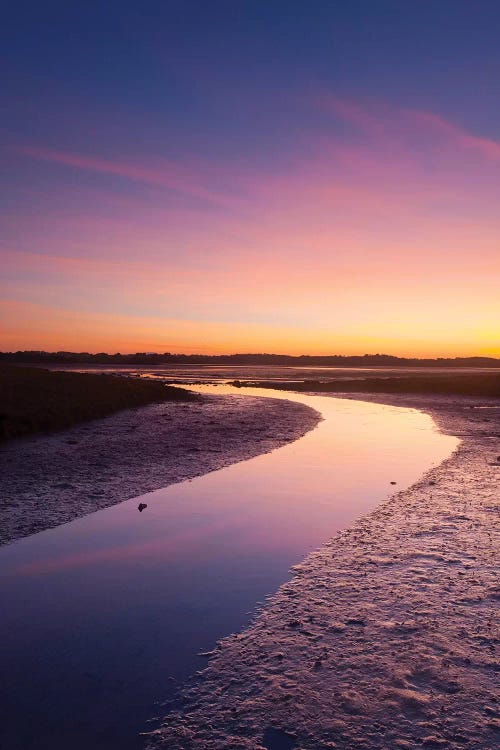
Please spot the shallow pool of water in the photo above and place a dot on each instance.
(105, 616)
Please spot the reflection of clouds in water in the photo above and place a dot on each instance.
(135, 596)
(284, 501)
(52, 479)
(396, 617)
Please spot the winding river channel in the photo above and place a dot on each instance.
(104, 617)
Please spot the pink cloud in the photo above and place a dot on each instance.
(402, 201)
(385, 123)
(367, 120)
(170, 176)
(457, 136)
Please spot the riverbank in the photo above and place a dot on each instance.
(34, 400)
(475, 385)
(50, 479)
(384, 637)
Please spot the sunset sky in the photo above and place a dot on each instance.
(281, 176)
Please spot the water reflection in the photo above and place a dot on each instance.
(102, 616)
(187, 374)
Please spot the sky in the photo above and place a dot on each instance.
(265, 176)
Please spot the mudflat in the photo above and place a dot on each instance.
(387, 636)
(46, 480)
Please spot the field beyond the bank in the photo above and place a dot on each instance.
(37, 400)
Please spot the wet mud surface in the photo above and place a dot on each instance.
(49, 480)
(387, 636)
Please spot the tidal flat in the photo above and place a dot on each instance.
(386, 636)
(106, 616)
(47, 480)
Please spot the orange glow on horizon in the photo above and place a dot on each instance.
(384, 242)
(47, 329)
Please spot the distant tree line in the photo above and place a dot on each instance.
(149, 358)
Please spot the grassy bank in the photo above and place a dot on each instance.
(36, 400)
(480, 385)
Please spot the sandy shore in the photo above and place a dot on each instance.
(387, 636)
(52, 479)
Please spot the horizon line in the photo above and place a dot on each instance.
(379, 355)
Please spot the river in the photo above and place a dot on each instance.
(104, 617)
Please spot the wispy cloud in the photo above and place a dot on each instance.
(487, 147)
(171, 176)
(383, 122)
(371, 208)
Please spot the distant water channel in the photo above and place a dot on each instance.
(225, 374)
(104, 617)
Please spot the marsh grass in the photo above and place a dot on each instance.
(37, 400)
(482, 385)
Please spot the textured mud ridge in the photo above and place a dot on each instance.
(48, 480)
(386, 637)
